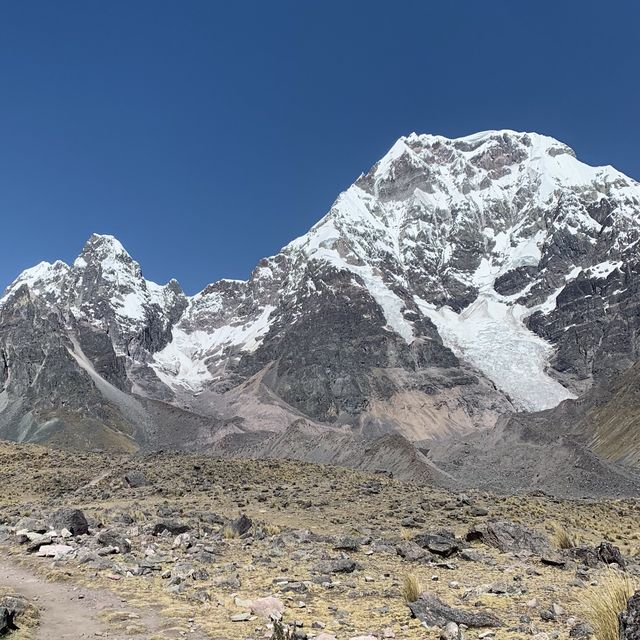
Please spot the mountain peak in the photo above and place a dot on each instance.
(107, 251)
(104, 243)
(42, 278)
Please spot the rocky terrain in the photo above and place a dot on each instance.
(171, 545)
(457, 283)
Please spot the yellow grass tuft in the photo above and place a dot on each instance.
(271, 529)
(229, 533)
(563, 538)
(606, 601)
(411, 588)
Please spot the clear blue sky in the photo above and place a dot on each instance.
(206, 134)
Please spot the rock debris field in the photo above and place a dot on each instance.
(177, 545)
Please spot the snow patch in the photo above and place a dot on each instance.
(603, 269)
(392, 306)
(490, 335)
(183, 360)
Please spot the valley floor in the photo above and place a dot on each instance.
(330, 548)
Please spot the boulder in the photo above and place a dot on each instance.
(54, 550)
(6, 621)
(347, 544)
(336, 566)
(241, 525)
(71, 519)
(110, 538)
(31, 524)
(14, 603)
(442, 543)
(451, 632)
(135, 479)
(610, 554)
(587, 556)
(181, 572)
(11, 608)
(36, 542)
(431, 611)
(172, 526)
(510, 537)
(265, 607)
(411, 551)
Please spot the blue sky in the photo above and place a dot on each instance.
(205, 134)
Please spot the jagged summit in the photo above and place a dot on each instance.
(102, 248)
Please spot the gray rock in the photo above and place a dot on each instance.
(171, 526)
(241, 525)
(347, 544)
(451, 632)
(581, 630)
(71, 519)
(430, 610)
(442, 544)
(630, 619)
(509, 536)
(336, 566)
(31, 524)
(135, 479)
(110, 538)
(6, 621)
(610, 554)
(411, 551)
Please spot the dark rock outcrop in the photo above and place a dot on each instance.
(509, 536)
(71, 519)
(630, 619)
(430, 610)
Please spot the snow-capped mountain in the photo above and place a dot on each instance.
(457, 280)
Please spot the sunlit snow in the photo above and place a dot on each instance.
(491, 336)
(183, 359)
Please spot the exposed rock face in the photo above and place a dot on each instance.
(455, 282)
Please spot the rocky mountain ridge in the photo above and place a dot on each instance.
(457, 281)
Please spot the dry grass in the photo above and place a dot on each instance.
(58, 478)
(563, 539)
(411, 588)
(271, 529)
(606, 601)
(229, 533)
(407, 534)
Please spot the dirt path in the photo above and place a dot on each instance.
(69, 612)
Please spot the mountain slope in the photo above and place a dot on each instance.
(478, 236)
(583, 447)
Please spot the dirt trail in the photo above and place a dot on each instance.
(69, 612)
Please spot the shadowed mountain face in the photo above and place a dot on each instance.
(456, 282)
